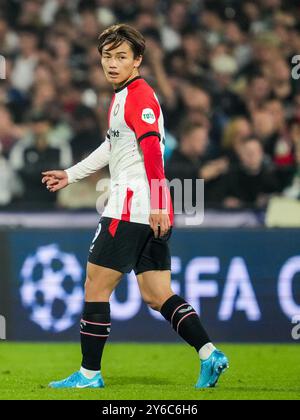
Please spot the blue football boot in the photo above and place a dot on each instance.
(78, 380)
(211, 369)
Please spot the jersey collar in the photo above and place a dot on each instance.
(128, 83)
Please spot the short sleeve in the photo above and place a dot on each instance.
(142, 114)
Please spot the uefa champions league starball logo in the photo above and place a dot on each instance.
(51, 288)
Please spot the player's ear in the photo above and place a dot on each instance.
(138, 61)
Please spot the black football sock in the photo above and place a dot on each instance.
(94, 331)
(185, 321)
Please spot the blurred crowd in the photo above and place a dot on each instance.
(222, 70)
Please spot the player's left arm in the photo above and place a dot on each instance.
(98, 159)
(142, 118)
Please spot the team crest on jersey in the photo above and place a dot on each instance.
(116, 109)
(148, 116)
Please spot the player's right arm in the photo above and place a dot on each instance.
(142, 115)
(98, 159)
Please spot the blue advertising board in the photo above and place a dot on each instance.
(245, 284)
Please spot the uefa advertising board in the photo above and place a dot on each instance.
(244, 283)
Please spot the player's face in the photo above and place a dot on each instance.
(119, 64)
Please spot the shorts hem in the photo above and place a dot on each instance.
(106, 265)
(145, 270)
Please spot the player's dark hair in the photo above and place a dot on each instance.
(116, 34)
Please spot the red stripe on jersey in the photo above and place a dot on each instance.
(127, 205)
(113, 226)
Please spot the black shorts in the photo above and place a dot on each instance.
(124, 246)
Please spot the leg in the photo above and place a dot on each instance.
(113, 251)
(95, 324)
(100, 283)
(155, 287)
(94, 327)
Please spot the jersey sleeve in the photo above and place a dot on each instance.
(98, 159)
(142, 114)
(153, 162)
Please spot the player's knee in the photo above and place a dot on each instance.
(87, 286)
(92, 281)
(90, 287)
(97, 290)
(88, 283)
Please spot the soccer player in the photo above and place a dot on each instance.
(136, 224)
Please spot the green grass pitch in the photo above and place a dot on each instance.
(150, 371)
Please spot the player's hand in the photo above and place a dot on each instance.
(55, 180)
(159, 222)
